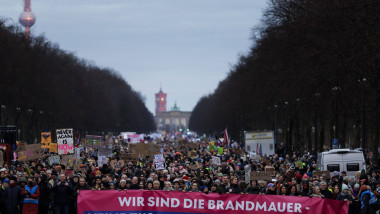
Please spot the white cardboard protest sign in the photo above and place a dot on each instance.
(160, 165)
(54, 159)
(216, 160)
(254, 157)
(159, 161)
(102, 160)
(159, 158)
(65, 141)
(117, 164)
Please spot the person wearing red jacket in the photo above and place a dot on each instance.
(31, 194)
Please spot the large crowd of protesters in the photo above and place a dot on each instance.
(36, 187)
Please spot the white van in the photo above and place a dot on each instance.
(340, 160)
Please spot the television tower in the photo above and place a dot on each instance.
(27, 18)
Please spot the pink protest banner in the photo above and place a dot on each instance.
(135, 138)
(146, 201)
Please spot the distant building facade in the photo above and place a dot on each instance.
(173, 120)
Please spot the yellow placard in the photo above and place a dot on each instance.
(54, 147)
(45, 140)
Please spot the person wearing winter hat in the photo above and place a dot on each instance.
(204, 189)
(112, 185)
(298, 176)
(305, 177)
(363, 188)
(355, 191)
(305, 188)
(377, 192)
(12, 197)
(367, 200)
(309, 174)
(344, 187)
(344, 196)
(271, 189)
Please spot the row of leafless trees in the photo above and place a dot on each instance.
(43, 87)
(312, 75)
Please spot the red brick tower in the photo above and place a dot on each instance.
(160, 101)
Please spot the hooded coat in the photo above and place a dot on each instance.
(12, 199)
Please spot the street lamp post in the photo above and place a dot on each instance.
(1, 113)
(287, 139)
(30, 111)
(317, 95)
(275, 123)
(18, 112)
(363, 82)
(297, 124)
(41, 121)
(335, 92)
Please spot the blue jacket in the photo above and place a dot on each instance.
(372, 199)
(28, 199)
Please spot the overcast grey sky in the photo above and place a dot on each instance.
(187, 47)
